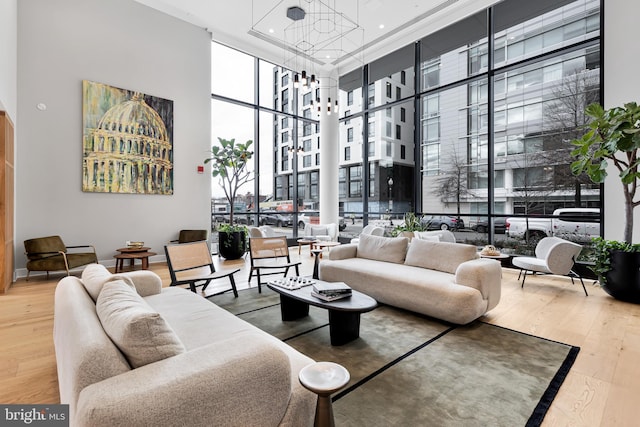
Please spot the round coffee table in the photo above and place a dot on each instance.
(132, 254)
(305, 242)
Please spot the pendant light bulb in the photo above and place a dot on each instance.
(296, 80)
(303, 80)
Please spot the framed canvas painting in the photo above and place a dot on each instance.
(127, 141)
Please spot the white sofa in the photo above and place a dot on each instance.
(199, 365)
(440, 279)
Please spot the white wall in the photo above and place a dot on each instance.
(8, 56)
(124, 44)
(621, 84)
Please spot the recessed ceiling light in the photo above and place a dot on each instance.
(381, 26)
(328, 56)
(271, 30)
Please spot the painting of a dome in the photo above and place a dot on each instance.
(128, 141)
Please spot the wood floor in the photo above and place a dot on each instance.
(601, 389)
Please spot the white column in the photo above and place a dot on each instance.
(621, 63)
(329, 152)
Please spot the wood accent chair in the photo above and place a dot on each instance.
(270, 253)
(191, 264)
(553, 256)
(51, 254)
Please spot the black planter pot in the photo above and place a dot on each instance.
(623, 280)
(232, 245)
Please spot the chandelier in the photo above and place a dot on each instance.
(315, 37)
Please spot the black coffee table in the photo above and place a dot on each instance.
(344, 314)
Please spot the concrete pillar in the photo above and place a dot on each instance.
(329, 151)
(621, 63)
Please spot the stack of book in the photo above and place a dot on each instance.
(331, 291)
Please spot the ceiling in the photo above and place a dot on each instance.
(366, 29)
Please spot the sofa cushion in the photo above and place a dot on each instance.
(379, 248)
(94, 276)
(136, 329)
(441, 256)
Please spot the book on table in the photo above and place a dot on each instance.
(331, 297)
(331, 288)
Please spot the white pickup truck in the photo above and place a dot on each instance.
(575, 224)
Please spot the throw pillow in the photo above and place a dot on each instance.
(440, 256)
(94, 276)
(140, 333)
(379, 248)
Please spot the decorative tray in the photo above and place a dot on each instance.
(292, 283)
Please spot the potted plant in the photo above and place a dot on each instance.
(229, 164)
(411, 223)
(613, 137)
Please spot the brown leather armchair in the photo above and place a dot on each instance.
(51, 254)
(189, 236)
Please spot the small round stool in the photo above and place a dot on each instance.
(324, 378)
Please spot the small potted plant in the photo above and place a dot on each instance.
(411, 223)
(229, 164)
(613, 137)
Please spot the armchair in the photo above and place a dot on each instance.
(51, 254)
(370, 229)
(326, 232)
(188, 236)
(553, 256)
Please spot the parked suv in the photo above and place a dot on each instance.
(575, 224)
(442, 222)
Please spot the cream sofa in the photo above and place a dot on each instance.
(440, 279)
(183, 361)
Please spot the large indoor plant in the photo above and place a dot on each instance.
(229, 162)
(613, 137)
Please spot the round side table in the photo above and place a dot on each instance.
(324, 378)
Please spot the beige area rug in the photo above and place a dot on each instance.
(411, 370)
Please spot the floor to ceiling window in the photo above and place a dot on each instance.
(496, 113)
(256, 100)
(472, 122)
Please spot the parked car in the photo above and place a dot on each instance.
(499, 226)
(275, 218)
(442, 222)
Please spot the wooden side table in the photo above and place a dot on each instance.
(304, 242)
(321, 244)
(133, 254)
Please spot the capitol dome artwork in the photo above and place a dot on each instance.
(127, 141)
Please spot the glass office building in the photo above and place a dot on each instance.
(472, 121)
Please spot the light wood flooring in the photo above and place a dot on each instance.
(601, 389)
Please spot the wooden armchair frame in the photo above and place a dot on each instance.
(269, 253)
(191, 263)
